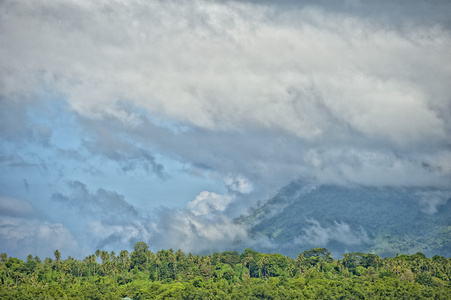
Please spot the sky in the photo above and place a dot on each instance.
(162, 121)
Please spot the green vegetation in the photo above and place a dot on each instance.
(168, 274)
(384, 221)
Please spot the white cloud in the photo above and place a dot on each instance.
(22, 237)
(316, 76)
(319, 235)
(105, 235)
(432, 200)
(191, 233)
(207, 203)
(239, 184)
(224, 66)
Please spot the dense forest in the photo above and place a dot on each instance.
(354, 219)
(169, 274)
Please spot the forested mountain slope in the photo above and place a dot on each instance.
(384, 221)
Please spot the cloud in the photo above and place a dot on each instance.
(112, 222)
(239, 184)
(207, 203)
(260, 85)
(211, 204)
(432, 200)
(24, 230)
(13, 207)
(103, 204)
(193, 233)
(20, 237)
(107, 235)
(319, 235)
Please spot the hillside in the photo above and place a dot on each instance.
(384, 221)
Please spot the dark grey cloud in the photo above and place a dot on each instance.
(102, 204)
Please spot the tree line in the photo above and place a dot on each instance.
(169, 274)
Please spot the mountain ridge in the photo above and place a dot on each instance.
(379, 220)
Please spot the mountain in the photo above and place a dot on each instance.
(380, 220)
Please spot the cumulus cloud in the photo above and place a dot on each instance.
(207, 203)
(23, 236)
(170, 228)
(211, 204)
(111, 222)
(24, 230)
(193, 233)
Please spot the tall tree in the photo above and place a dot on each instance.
(124, 260)
(4, 257)
(57, 255)
(300, 259)
(97, 253)
(104, 256)
(248, 260)
(140, 256)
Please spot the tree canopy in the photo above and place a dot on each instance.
(169, 274)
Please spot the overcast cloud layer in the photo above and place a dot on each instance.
(113, 112)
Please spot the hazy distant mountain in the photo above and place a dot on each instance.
(384, 221)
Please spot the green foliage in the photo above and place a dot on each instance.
(424, 279)
(227, 275)
(394, 219)
(140, 257)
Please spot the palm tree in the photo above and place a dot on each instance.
(207, 261)
(291, 268)
(260, 266)
(92, 260)
(104, 256)
(113, 263)
(124, 259)
(248, 261)
(173, 260)
(157, 263)
(47, 263)
(57, 257)
(300, 259)
(97, 253)
(8, 273)
(265, 260)
(4, 257)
